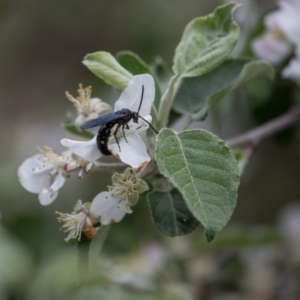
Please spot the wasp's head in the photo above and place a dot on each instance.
(135, 117)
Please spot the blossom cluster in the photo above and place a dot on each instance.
(282, 38)
(45, 173)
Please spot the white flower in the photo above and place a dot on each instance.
(86, 107)
(45, 173)
(271, 47)
(288, 20)
(109, 209)
(283, 33)
(133, 151)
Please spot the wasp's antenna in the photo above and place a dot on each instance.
(149, 124)
(141, 99)
(139, 111)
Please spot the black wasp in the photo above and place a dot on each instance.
(121, 118)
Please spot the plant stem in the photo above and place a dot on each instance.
(95, 248)
(255, 136)
(167, 101)
(112, 165)
(82, 248)
(187, 123)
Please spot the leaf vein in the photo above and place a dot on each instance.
(192, 179)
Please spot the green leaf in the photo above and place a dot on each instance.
(170, 214)
(198, 94)
(206, 42)
(173, 117)
(161, 72)
(106, 67)
(204, 170)
(132, 62)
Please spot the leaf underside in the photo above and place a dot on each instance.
(170, 214)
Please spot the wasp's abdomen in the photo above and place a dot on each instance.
(103, 137)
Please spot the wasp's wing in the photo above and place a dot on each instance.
(103, 120)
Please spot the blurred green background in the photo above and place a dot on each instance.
(42, 46)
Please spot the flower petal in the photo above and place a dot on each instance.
(34, 174)
(285, 19)
(115, 215)
(271, 49)
(271, 20)
(131, 96)
(288, 20)
(85, 149)
(141, 126)
(292, 71)
(47, 196)
(133, 153)
(102, 202)
(58, 182)
(108, 207)
(293, 3)
(124, 206)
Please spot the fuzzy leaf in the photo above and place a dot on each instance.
(204, 170)
(198, 94)
(132, 62)
(106, 67)
(170, 214)
(206, 42)
(162, 73)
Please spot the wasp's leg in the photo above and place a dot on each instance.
(127, 127)
(115, 135)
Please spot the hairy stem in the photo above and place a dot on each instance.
(187, 123)
(167, 101)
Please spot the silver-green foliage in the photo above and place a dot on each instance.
(106, 67)
(206, 42)
(170, 213)
(204, 170)
(198, 94)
